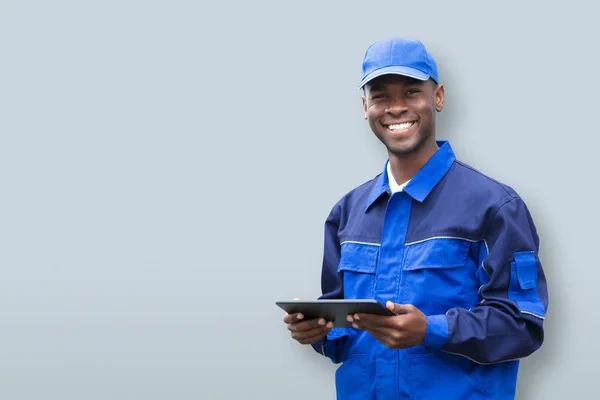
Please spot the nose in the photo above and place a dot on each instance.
(396, 106)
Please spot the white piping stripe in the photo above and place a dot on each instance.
(442, 237)
(486, 271)
(478, 362)
(522, 312)
(487, 250)
(368, 244)
(532, 314)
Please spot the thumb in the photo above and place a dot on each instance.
(398, 308)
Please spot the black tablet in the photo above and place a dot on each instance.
(334, 310)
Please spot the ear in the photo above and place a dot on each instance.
(438, 97)
(364, 103)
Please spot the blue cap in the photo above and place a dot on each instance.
(400, 57)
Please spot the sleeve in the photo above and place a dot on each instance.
(332, 287)
(507, 323)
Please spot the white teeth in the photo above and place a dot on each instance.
(399, 127)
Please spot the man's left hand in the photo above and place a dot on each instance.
(407, 329)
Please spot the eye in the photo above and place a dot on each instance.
(378, 96)
(412, 91)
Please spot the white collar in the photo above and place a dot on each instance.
(394, 187)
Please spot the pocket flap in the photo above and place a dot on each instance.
(436, 253)
(358, 257)
(526, 269)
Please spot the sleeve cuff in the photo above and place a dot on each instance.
(332, 345)
(437, 331)
(319, 346)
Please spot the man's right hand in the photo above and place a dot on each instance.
(307, 331)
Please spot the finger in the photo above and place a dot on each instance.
(391, 337)
(307, 325)
(373, 329)
(313, 339)
(295, 317)
(370, 320)
(385, 338)
(386, 335)
(303, 335)
(400, 308)
(391, 306)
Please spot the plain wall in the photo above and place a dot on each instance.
(166, 169)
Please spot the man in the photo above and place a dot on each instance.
(453, 253)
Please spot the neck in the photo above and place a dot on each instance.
(405, 166)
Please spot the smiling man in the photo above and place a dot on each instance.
(452, 252)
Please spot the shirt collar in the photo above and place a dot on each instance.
(424, 181)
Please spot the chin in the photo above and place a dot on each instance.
(402, 151)
(408, 146)
(405, 148)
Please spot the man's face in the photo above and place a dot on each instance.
(401, 111)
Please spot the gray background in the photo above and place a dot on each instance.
(166, 169)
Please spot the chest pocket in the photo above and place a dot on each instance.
(358, 264)
(435, 274)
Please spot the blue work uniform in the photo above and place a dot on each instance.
(463, 249)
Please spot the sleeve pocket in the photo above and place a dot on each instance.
(523, 284)
(526, 264)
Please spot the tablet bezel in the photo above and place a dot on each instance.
(334, 310)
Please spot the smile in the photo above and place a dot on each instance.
(400, 127)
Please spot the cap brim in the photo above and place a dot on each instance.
(394, 70)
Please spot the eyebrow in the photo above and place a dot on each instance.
(377, 87)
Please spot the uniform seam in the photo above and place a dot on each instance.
(496, 213)
(487, 230)
(501, 185)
